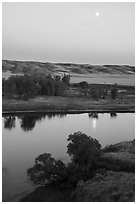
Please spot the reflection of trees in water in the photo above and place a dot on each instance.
(53, 115)
(28, 122)
(113, 114)
(93, 115)
(9, 122)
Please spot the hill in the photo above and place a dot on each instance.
(78, 72)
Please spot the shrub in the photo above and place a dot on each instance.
(114, 91)
(47, 170)
(84, 150)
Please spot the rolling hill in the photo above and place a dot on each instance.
(78, 72)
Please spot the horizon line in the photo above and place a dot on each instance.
(40, 61)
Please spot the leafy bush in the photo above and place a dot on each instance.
(47, 170)
(86, 161)
(84, 152)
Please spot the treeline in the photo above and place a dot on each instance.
(97, 91)
(29, 86)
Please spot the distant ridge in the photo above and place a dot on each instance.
(31, 67)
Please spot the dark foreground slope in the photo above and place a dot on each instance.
(113, 186)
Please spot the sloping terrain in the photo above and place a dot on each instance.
(121, 74)
(123, 150)
(114, 187)
(60, 68)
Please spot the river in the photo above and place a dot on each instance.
(27, 136)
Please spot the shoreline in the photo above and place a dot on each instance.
(67, 111)
(66, 105)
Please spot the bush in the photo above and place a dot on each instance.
(84, 152)
(86, 161)
(47, 170)
(114, 91)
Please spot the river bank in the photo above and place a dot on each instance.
(114, 186)
(57, 104)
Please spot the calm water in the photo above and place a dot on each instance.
(110, 79)
(26, 137)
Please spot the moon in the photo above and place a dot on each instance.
(97, 14)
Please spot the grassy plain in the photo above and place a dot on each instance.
(73, 101)
(57, 103)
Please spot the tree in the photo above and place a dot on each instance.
(94, 93)
(84, 87)
(105, 91)
(47, 170)
(57, 78)
(59, 88)
(26, 87)
(9, 86)
(66, 79)
(114, 91)
(83, 84)
(29, 86)
(84, 150)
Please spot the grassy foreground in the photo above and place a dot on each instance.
(115, 187)
(60, 104)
